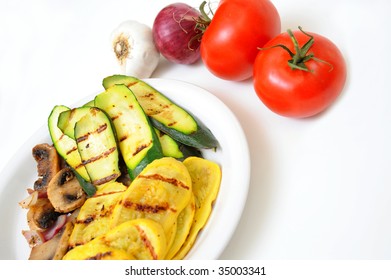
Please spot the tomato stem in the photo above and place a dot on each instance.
(204, 20)
(204, 14)
(201, 24)
(300, 56)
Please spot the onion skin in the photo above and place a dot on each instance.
(175, 34)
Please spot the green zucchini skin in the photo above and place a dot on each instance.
(189, 151)
(200, 139)
(97, 146)
(175, 149)
(66, 147)
(178, 123)
(136, 137)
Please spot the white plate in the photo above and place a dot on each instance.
(232, 155)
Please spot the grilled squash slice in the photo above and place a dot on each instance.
(94, 217)
(206, 177)
(141, 239)
(160, 192)
(184, 222)
(93, 251)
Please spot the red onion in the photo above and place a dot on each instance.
(54, 229)
(176, 35)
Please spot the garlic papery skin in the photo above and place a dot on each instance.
(134, 49)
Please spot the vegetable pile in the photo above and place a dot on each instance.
(124, 178)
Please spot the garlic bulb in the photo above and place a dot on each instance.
(134, 49)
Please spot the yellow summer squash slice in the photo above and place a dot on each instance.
(94, 216)
(184, 222)
(160, 192)
(206, 178)
(140, 239)
(93, 251)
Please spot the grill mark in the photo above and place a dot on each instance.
(101, 128)
(73, 112)
(147, 243)
(100, 256)
(146, 207)
(131, 84)
(102, 214)
(105, 154)
(123, 138)
(71, 150)
(105, 179)
(141, 147)
(172, 181)
(149, 95)
(84, 137)
(87, 220)
(108, 193)
(79, 166)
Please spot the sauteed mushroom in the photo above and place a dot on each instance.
(65, 192)
(48, 164)
(41, 215)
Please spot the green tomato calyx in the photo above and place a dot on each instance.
(301, 56)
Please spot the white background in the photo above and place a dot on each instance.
(320, 188)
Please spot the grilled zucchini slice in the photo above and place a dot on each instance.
(97, 146)
(165, 114)
(137, 139)
(175, 149)
(68, 119)
(65, 146)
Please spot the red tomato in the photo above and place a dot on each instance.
(298, 93)
(229, 44)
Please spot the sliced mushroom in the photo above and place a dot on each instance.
(65, 192)
(41, 215)
(48, 164)
(45, 251)
(55, 248)
(63, 245)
